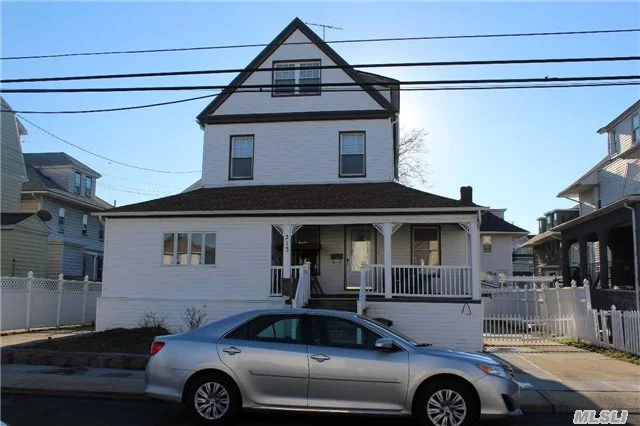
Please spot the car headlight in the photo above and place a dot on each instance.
(494, 370)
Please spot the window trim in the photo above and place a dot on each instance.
(89, 188)
(175, 249)
(439, 230)
(633, 130)
(297, 62)
(490, 244)
(77, 189)
(253, 155)
(612, 143)
(364, 154)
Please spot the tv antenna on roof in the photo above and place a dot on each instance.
(324, 27)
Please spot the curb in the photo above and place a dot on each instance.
(74, 359)
(72, 393)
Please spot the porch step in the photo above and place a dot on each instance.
(349, 305)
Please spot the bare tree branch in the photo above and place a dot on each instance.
(413, 168)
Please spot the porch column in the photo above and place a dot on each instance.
(286, 251)
(565, 246)
(603, 240)
(584, 263)
(474, 234)
(387, 231)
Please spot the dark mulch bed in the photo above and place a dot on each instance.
(117, 340)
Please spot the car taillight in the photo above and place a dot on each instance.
(156, 346)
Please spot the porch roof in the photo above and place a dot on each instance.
(330, 198)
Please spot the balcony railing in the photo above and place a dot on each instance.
(276, 278)
(419, 280)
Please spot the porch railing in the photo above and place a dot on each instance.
(303, 289)
(419, 280)
(276, 278)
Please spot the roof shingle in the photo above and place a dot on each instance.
(492, 223)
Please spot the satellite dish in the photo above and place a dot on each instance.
(44, 215)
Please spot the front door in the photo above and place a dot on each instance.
(346, 371)
(361, 251)
(269, 358)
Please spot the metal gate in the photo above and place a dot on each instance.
(510, 330)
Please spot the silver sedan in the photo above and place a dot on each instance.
(325, 361)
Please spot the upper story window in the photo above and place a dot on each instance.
(296, 78)
(426, 245)
(241, 157)
(614, 141)
(85, 224)
(487, 246)
(88, 186)
(635, 128)
(352, 154)
(77, 183)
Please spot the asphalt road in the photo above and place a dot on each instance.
(32, 410)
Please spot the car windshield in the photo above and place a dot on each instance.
(396, 333)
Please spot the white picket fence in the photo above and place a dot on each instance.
(500, 330)
(29, 302)
(615, 329)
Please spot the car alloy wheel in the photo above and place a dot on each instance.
(212, 400)
(446, 407)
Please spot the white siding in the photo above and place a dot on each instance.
(133, 266)
(114, 312)
(588, 201)
(454, 325)
(501, 257)
(256, 103)
(28, 204)
(12, 169)
(623, 129)
(297, 152)
(612, 180)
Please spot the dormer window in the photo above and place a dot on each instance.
(77, 183)
(635, 128)
(296, 78)
(88, 186)
(614, 141)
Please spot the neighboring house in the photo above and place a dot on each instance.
(497, 237)
(546, 246)
(23, 240)
(522, 257)
(300, 172)
(66, 188)
(606, 232)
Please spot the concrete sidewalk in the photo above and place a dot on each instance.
(567, 378)
(11, 339)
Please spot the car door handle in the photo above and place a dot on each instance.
(321, 357)
(232, 350)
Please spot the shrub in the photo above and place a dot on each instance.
(194, 317)
(152, 319)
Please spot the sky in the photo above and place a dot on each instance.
(517, 148)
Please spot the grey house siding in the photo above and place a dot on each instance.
(28, 204)
(54, 259)
(612, 180)
(12, 169)
(72, 260)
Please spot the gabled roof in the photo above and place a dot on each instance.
(38, 182)
(297, 24)
(619, 118)
(310, 199)
(56, 159)
(492, 223)
(13, 218)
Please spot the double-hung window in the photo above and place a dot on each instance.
(189, 248)
(241, 161)
(487, 244)
(88, 185)
(352, 154)
(77, 182)
(426, 245)
(635, 128)
(615, 142)
(296, 78)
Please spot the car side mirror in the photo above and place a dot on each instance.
(384, 343)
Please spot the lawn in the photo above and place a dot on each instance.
(118, 340)
(612, 353)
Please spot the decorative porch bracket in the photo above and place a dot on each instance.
(287, 231)
(465, 226)
(380, 227)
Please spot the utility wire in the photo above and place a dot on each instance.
(102, 156)
(404, 89)
(322, 67)
(369, 40)
(342, 84)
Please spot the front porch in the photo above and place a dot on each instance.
(421, 260)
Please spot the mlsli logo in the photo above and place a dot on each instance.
(606, 417)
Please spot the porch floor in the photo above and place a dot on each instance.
(379, 298)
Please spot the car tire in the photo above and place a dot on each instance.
(213, 399)
(449, 398)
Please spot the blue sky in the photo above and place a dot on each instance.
(517, 148)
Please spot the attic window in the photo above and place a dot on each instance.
(296, 78)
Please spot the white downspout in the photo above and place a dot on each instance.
(635, 253)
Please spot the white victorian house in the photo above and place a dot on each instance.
(300, 178)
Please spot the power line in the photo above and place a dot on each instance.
(342, 84)
(378, 65)
(369, 40)
(137, 191)
(102, 156)
(407, 89)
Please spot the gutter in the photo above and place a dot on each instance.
(635, 252)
